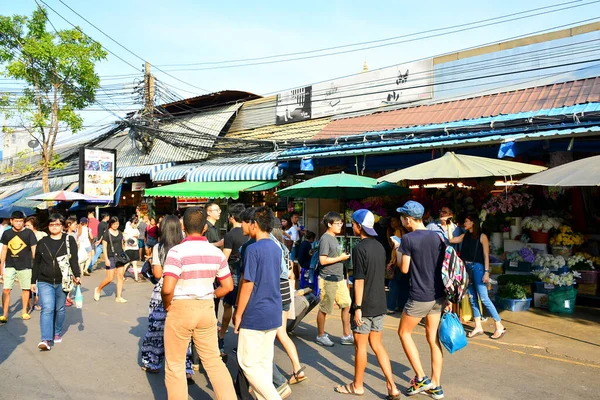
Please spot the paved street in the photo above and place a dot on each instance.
(542, 356)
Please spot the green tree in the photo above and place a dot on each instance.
(58, 69)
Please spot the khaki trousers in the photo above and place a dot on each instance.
(187, 319)
(255, 357)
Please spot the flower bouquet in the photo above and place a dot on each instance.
(585, 267)
(540, 226)
(549, 261)
(548, 277)
(563, 242)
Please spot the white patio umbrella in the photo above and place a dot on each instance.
(459, 166)
(584, 172)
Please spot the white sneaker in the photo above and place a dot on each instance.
(44, 345)
(324, 340)
(347, 339)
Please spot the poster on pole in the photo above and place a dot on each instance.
(403, 83)
(97, 171)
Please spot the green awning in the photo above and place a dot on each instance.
(212, 190)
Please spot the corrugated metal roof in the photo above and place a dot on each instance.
(254, 114)
(446, 141)
(189, 130)
(297, 131)
(542, 97)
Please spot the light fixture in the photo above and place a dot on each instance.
(439, 185)
(505, 183)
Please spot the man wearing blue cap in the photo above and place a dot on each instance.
(369, 307)
(422, 254)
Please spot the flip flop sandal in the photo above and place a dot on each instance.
(472, 335)
(348, 389)
(295, 379)
(499, 337)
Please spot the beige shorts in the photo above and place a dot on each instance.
(420, 309)
(333, 292)
(24, 276)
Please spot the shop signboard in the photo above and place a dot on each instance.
(398, 84)
(293, 105)
(97, 170)
(404, 83)
(138, 186)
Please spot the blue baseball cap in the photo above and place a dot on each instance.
(413, 209)
(366, 219)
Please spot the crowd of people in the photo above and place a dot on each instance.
(252, 269)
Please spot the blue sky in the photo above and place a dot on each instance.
(201, 31)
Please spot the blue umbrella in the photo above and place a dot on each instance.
(5, 212)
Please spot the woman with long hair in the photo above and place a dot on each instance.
(475, 253)
(131, 235)
(112, 244)
(84, 238)
(71, 230)
(33, 224)
(153, 347)
(48, 275)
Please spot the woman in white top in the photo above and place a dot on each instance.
(84, 239)
(131, 234)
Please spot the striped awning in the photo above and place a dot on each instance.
(237, 172)
(137, 170)
(173, 173)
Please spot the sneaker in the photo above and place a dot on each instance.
(44, 345)
(347, 339)
(435, 393)
(222, 346)
(418, 386)
(120, 300)
(57, 339)
(96, 294)
(324, 340)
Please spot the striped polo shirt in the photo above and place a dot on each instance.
(195, 264)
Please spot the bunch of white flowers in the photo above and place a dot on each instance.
(565, 279)
(572, 261)
(549, 261)
(541, 224)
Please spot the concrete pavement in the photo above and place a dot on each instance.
(542, 355)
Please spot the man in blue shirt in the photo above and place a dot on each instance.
(259, 306)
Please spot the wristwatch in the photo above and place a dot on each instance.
(356, 306)
(486, 270)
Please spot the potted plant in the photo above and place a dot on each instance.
(585, 267)
(513, 297)
(562, 243)
(551, 262)
(548, 280)
(539, 227)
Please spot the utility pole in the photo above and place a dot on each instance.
(148, 91)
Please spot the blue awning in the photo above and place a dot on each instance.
(173, 173)
(137, 170)
(237, 172)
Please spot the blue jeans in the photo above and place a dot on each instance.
(52, 317)
(479, 289)
(278, 378)
(96, 257)
(399, 288)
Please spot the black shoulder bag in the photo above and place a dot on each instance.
(120, 257)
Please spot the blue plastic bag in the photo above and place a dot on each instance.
(452, 333)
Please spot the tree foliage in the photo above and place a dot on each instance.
(58, 70)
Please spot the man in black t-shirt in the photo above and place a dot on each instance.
(234, 239)
(369, 261)
(213, 214)
(16, 261)
(422, 254)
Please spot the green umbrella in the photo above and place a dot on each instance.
(341, 186)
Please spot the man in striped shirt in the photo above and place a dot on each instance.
(188, 297)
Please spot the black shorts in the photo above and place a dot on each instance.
(134, 255)
(230, 297)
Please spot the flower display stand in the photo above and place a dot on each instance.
(539, 236)
(564, 251)
(513, 305)
(588, 277)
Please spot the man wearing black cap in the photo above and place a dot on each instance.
(422, 254)
(16, 260)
